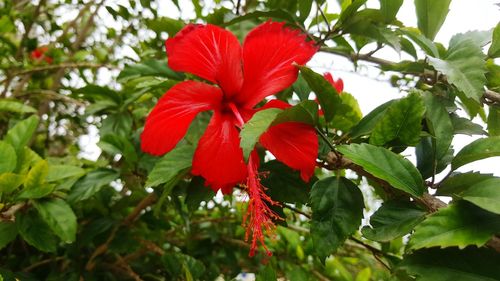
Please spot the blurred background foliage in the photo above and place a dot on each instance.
(75, 71)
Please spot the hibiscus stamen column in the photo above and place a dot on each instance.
(259, 217)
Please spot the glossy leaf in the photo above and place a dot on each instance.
(19, 135)
(389, 8)
(464, 67)
(351, 117)
(386, 165)
(8, 156)
(59, 172)
(477, 150)
(171, 165)
(15, 106)
(393, 220)
(10, 182)
(37, 175)
(328, 98)
(401, 121)
(8, 232)
(284, 184)
(460, 224)
(494, 120)
(255, 127)
(485, 194)
(35, 232)
(457, 183)
(366, 125)
(465, 126)
(439, 123)
(494, 50)
(469, 264)
(59, 216)
(431, 15)
(92, 183)
(337, 206)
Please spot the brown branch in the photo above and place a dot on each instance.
(491, 96)
(60, 66)
(103, 248)
(42, 262)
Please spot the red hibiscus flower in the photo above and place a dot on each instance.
(337, 84)
(39, 54)
(242, 76)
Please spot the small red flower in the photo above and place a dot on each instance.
(244, 76)
(39, 54)
(337, 84)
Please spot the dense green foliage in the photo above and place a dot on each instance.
(131, 216)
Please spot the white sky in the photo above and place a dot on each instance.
(370, 88)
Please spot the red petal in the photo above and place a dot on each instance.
(219, 158)
(338, 84)
(209, 52)
(170, 118)
(294, 144)
(269, 52)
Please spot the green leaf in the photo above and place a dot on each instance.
(255, 127)
(304, 9)
(390, 8)
(305, 112)
(37, 175)
(494, 50)
(10, 182)
(460, 182)
(386, 165)
(59, 172)
(439, 124)
(35, 232)
(116, 144)
(393, 220)
(8, 232)
(118, 123)
(465, 126)
(423, 42)
(464, 66)
(165, 24)
(352, 117)
(196, 193)
(15, 106)
(171, 165)
(59, 216)
(460, 224)
(401, 121)
(92, 183)
(470, 264)
(331, 103)
(285, 184)
(149, 68)
(327, 94)
(366, 125)
(6, 24)
(19, 135)
(494, 120)
(477, 150)
(431, 15)
(266, 274)
(485, 194)
(276, 14)
(35, 185)
(301, 88)
(337, 206)
(8, 156)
